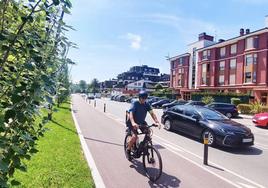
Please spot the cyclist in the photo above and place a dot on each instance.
(137, 115)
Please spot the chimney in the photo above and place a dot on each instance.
(221, 40)
(241, 32)
(204, 36)
(247, 31)
(266, 21)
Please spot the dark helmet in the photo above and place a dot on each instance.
(143, 94)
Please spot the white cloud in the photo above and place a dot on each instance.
(135, 40)
(188, 28)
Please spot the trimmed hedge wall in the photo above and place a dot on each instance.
(221, 97)
(247, 108)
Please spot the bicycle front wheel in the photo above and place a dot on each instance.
(152, 163)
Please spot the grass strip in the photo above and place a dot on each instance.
(60, 161)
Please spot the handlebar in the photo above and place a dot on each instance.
(146, 128)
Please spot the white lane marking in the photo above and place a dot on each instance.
(231, 172)
(246, 179)
(90, 161)
(246, 185)
(172, 147)
(201, 166)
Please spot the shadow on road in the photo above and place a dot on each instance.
(104, 142)
(243, 151)
(157, 146)
(75, 111)
(261, 127)
(236, 150)
(165, 180)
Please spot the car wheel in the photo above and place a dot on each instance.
(211, 137)
(167, 125)
(228, 114)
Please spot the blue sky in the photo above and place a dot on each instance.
(113, 35)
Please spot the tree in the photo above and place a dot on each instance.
(33, 44)
(94, 86)
(83, 86)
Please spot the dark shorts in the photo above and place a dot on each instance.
(135, 131)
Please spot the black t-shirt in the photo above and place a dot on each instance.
(140, 111)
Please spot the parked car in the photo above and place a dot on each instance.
(198, 103)
(197, 121)
(261, 119)
(153, 99)
(173, 103)
(159, 103)
(90, 96)
(227, 109)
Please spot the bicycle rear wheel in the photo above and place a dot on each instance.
(127, 138)
(152, 163)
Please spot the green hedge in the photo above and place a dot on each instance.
(235, 101)
(221, 97)
(248, 108)
(244, 108)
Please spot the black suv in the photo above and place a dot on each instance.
(227, 109)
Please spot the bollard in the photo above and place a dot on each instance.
(104, 107)
(205, 149)
(94, 103)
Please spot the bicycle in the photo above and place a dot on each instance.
(150, 155)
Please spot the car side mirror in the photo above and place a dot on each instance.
(196, 117)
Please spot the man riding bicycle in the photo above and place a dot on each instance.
(137, 115)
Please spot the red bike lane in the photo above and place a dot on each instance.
(104, 137)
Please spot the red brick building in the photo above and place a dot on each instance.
(236, 65)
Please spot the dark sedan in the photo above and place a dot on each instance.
(159, 104)
(173, 103)
(227, 109)
(197, 121)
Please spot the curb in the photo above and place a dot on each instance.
(90, 161)
(246, 116)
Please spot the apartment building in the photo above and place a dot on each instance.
(183, 67)
(236, 65)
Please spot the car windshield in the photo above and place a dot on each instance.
(210, 114)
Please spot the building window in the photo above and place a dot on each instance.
(232, 64)
(250, 59)
(248, 77)
(179, 82)
(173, 65)
(222, 66)
(181, 61)
(205, 54)
(232, 79)
(252, 42)
(204, 74)
(254, 77)
(221, 80)
(222, 52)
(233, 48)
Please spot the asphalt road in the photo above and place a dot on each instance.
(182, 156)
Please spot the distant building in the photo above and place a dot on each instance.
(141, 85)
(236, 65)
(239, 65)
(183, 67)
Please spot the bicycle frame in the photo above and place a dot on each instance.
(143, 145)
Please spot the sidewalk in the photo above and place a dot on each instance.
(245, 116)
